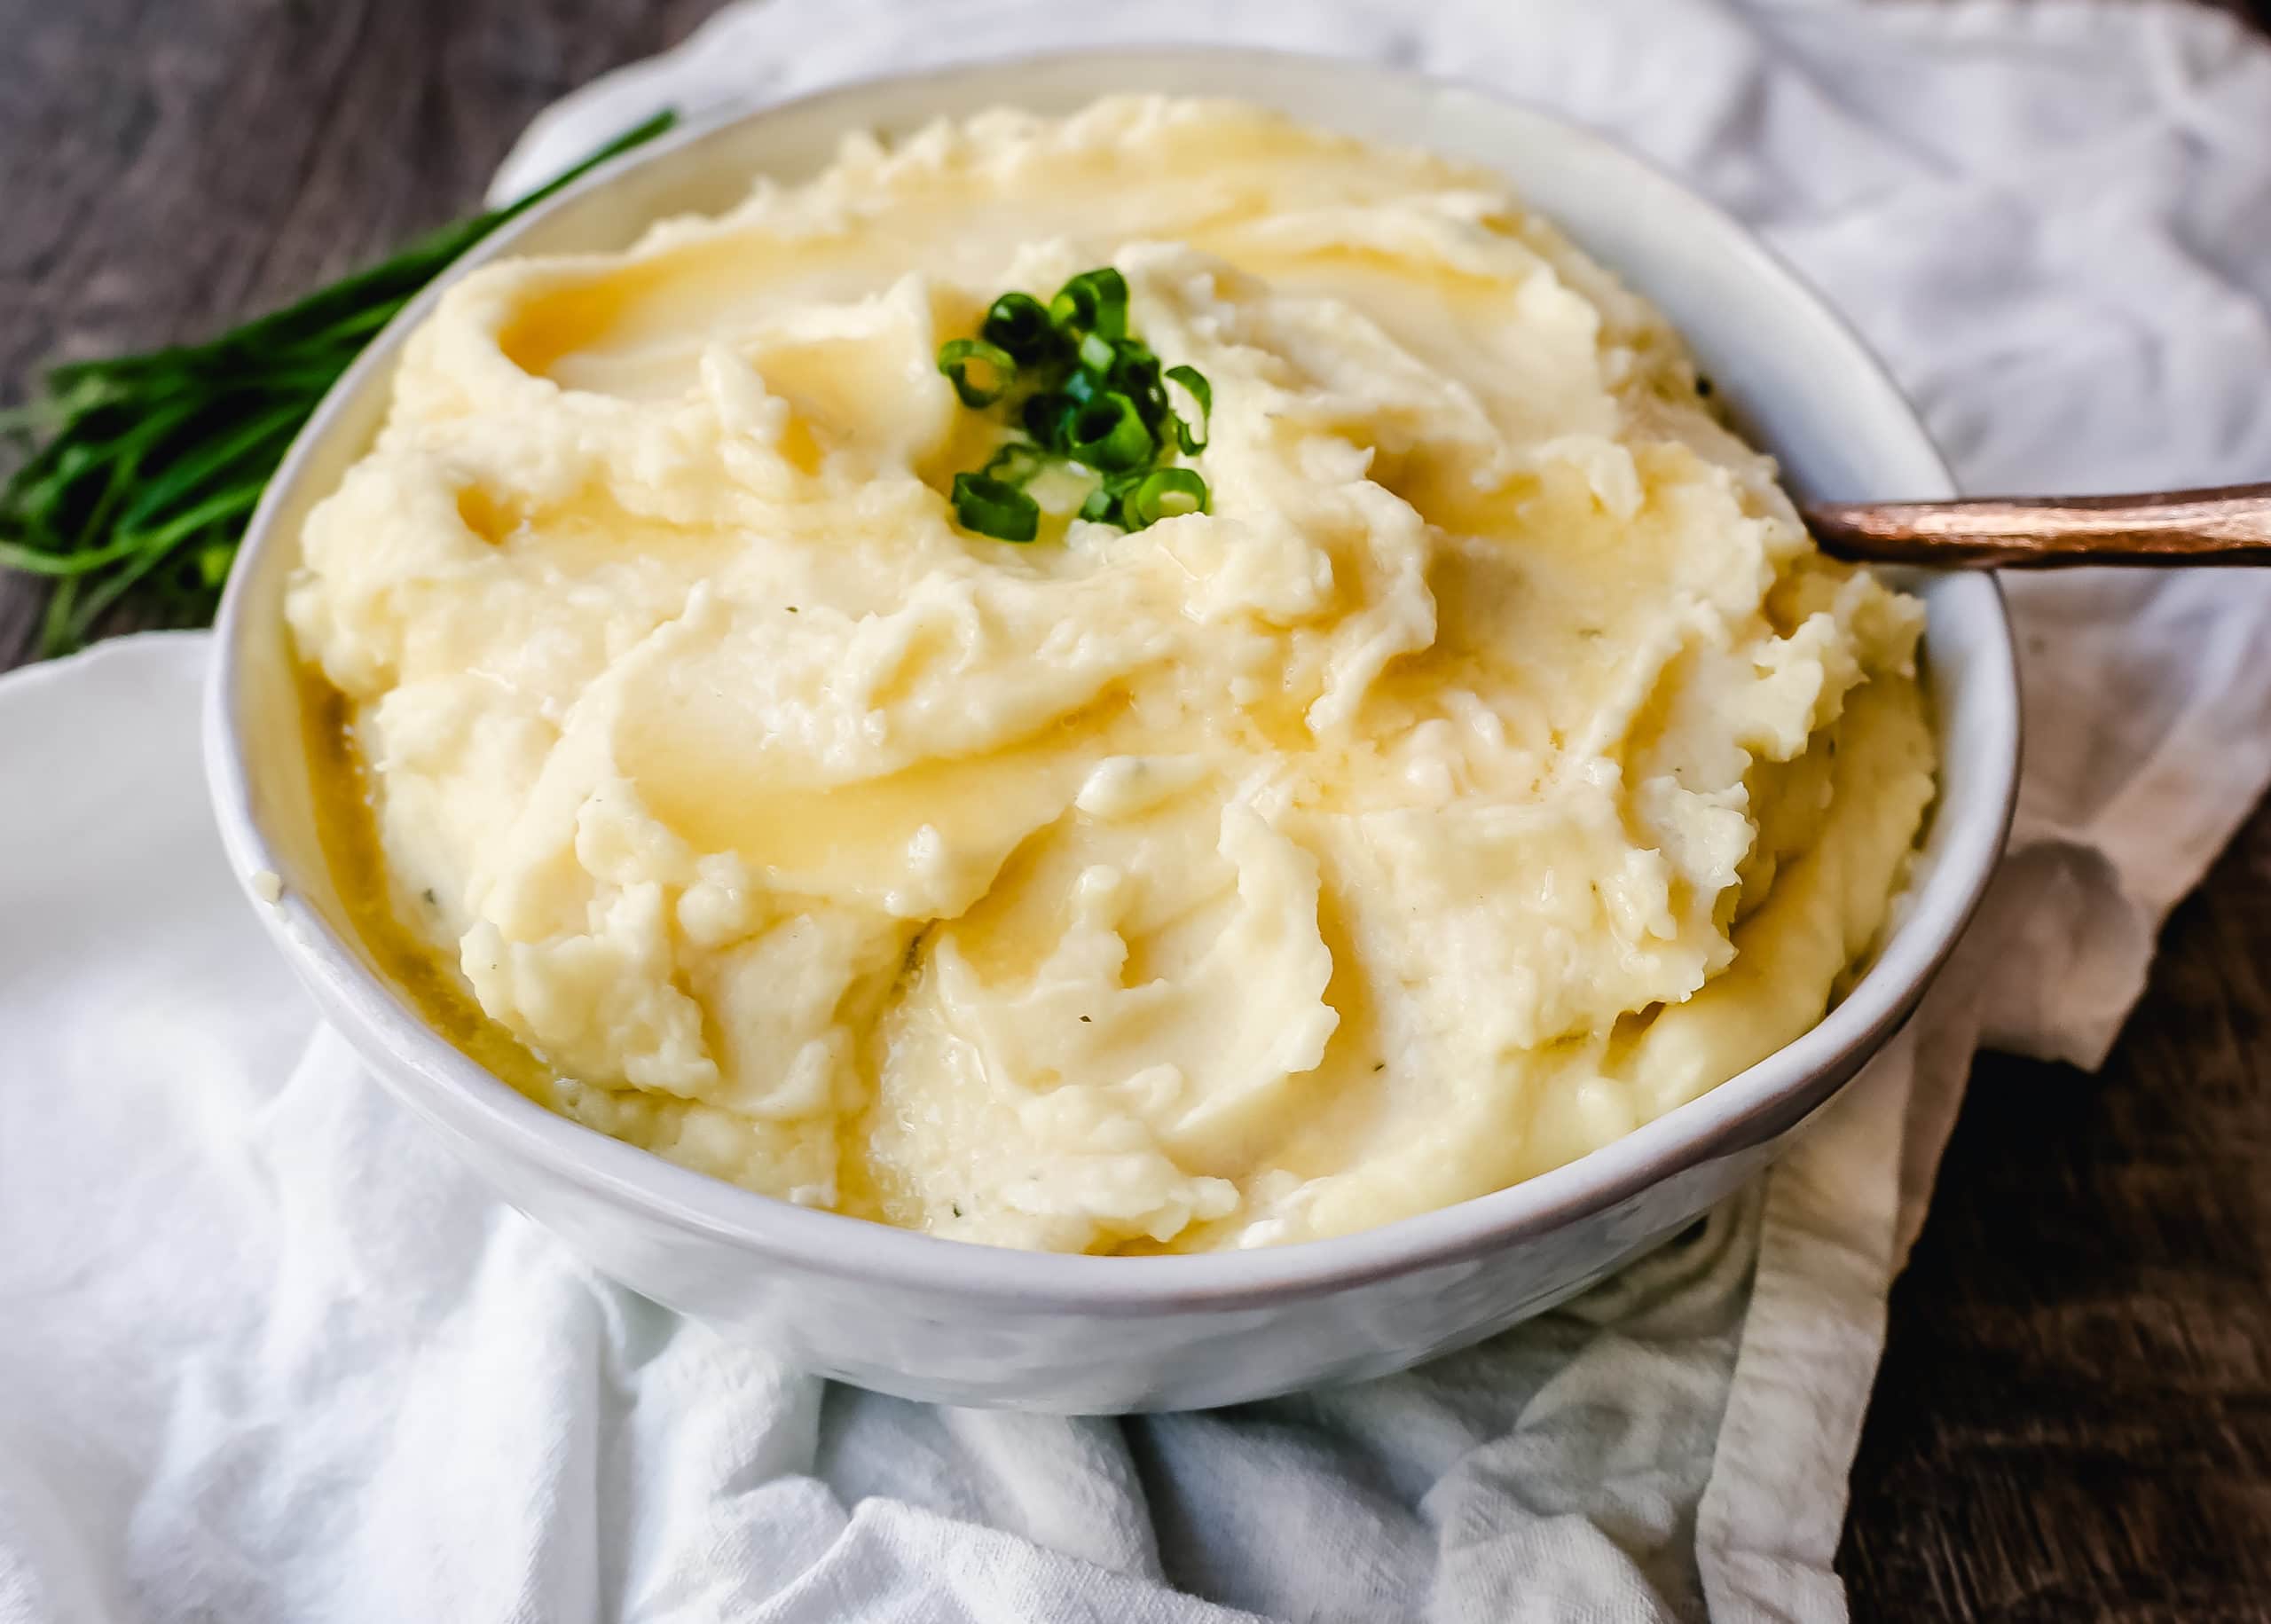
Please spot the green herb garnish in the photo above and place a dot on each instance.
(997, 370)
(1134, 500)
(1087, 393)
(1191, 379)
(1136, 374)
(1107, 432)
(994, 508)
(1102, 505)
(137, 474)
(1020, 324)
(1163, 493)
(1093, 301)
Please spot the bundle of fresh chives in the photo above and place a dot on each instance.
(136, 474)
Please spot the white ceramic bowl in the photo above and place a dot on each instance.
(941, 1320)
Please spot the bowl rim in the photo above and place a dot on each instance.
(442, 1083)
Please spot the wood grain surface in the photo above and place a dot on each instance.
(2073, 1419)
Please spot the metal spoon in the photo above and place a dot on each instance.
(2230, 524)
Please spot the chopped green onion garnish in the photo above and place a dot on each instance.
(1000, 370)
(1094, 301)
(1044, 416)
(990, 507)
(1108, 434)
(1016, 463)
(1019, 324)
(1102, 504)
(1163, 493)
(1193, 380)
(1086, 391)
(1096, 353)
(1136, 374)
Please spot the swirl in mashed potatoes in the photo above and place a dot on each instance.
(1495, 767)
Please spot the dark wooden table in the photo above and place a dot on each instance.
(2074, 1416)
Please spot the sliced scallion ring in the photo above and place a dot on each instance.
(1093, 301)
(1108, 434)
(1163, 493)
(1019, 324)
(989, 506)
(1136, 374)
(955, 357)
(1044, 417)
(1194, 380)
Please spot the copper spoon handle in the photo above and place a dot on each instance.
(2227, 525)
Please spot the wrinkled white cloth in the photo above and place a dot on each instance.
(266, 1354)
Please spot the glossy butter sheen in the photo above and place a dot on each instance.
(1495, 767)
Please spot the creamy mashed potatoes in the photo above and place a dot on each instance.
(1497, 766)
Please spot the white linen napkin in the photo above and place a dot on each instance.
(267, 1354)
